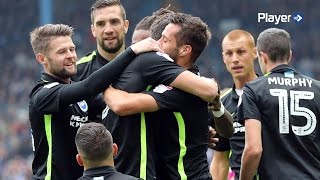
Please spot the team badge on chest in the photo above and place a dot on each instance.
(83, 105)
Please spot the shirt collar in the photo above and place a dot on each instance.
(99, 170)
(45, 77)
(282, 68)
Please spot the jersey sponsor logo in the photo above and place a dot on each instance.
(83, 105)
(238, 127)
(77, 121)
(161, 88)
(165, 56)
(51, 85)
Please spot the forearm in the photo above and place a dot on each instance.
(204, 88)
(249, 165)
(123, 103)
(224, 124)
(220, 165)
(252, 150)
(97, 81)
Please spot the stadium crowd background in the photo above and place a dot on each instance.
(20, 70)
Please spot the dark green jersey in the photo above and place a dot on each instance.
(287, 105)
(56, 111)
(181, 134)
(130, 132)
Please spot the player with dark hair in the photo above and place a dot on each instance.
(182, 137)
(109, 26)
(280, 111)
(95, 153)
(143, 28)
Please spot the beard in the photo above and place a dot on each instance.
(173, 54)
(61, 73)
(111, 49)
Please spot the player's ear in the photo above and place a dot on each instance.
(114, 149)
(185, 50)
(264, 57)
(290, 56)
(126, 26)
(79, 159)
(41, 58)
(255, 55)
(93, 31)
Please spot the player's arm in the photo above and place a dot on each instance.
(252, 151)
(124, 103)
(219, 167)
(223, 120)
(102, 78)
(205, 88)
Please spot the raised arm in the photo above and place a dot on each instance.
(102, 78)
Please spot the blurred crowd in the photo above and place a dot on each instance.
(20, 70)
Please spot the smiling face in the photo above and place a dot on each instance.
(238, 55)
(109, 29)
(60, 60)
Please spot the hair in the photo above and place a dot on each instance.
(146, 22)
(275, 43)
(193, 32)
(40, 36)
(99, 4)
(237, 34)
(159, 25)
(94, 142)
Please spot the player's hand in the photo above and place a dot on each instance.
(212, 141)
(215, 104)
(146, 45)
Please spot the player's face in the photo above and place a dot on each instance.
(61, 58)
(109, 29)
(238, 57)
(168, 41)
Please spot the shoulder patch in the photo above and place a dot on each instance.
(51, 85)
(162, 88)
(165, 56)
(83, 105)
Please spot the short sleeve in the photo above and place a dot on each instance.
(248, 108)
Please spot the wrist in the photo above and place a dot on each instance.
(220, 112)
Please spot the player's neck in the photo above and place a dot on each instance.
(91, 165)
(185, 63)
(66, 80)
(239, 82)
(109, 56)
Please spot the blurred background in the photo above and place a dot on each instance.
(20, 70)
